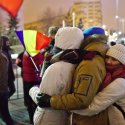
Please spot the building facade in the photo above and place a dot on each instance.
(87, 13)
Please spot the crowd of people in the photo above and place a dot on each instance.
(82, 79)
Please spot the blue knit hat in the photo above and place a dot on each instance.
(93, 30)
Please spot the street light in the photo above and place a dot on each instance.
(104, 26)
(73, 19)
(63, 23)
(117, 17)
(123, 26)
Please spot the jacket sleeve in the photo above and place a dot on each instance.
(87, 80)
(33, 93)
(109, 95)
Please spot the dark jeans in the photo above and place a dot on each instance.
(31, 106)
(4, 111)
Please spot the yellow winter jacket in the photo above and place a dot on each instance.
(88, 76)
(87, 79)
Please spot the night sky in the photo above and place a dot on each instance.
(34, 9)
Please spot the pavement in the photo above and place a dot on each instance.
(18, 112)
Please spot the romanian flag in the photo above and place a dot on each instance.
(33, 41)
(11, 6)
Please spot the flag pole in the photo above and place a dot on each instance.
(34, 63)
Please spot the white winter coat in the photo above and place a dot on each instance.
(114, 92)
(55, 82)
(57, 78)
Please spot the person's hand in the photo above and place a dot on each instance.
(43, 100)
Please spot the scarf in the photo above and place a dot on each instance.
(113, 72)
(54, 51)
(75, 56)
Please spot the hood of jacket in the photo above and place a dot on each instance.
(96, 43)
(69, 38)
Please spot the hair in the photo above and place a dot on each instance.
(52, 30)
(4, 38)
(93, 38)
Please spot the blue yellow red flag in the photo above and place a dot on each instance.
(33, 41)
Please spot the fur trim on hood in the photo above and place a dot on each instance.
(96, 43)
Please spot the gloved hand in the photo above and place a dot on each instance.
(43, 100)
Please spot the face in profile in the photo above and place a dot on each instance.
(6, 45)
(111, 61)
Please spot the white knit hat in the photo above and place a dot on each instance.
(69, 38)
(117, 52)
